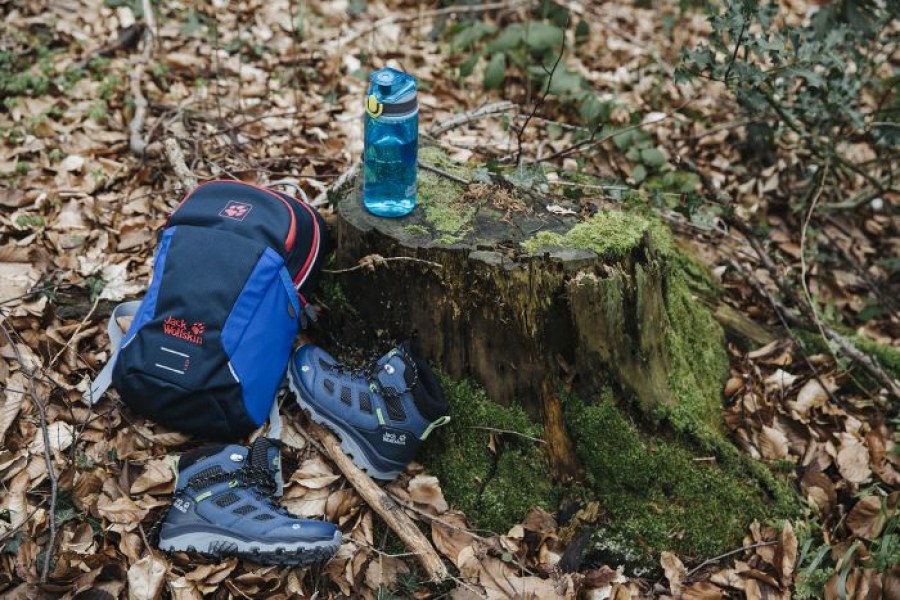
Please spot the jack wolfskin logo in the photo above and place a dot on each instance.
(393, 438)
(236, 210)
(179, 328)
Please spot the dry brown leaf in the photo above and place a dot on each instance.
(451, 537)
(674, 571)
(121, 510)
(788, 553)
(60, 434)
(156, 473)
(383, 571)
(866, 518)
(703, 590)
(314, 474)
(426, 490)
(13, 395)
(811, 395)
(779, 381)
(773, 444)
(853, 459)
(146, 577)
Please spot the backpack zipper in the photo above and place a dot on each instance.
(306, 269)
(292, 232)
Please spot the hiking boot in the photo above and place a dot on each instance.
(381, 413)
(223, 506)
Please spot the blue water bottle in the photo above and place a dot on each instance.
(391, 141)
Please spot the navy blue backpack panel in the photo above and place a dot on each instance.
(209, 344)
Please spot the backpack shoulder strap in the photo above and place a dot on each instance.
(103, 379)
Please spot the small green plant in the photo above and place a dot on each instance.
(817, 86)
(528, 51)
(23, 167)
(30, 221)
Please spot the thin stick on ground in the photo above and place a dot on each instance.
(373, 260)
(537, 105)
(803, 266)
(350, 173)
(716, 559)
(48, 456)
(137, 144)
(443, 173)
(382, 503)
(470, 116)
(176, 159)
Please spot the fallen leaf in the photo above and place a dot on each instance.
(788, 552)
(853, 459)
(779, 381)
(13, 395)
(146, 577)
(59, 433)
(425, 489)
(674, 571)
(703, 590)
(866, 518)
(811, 395)
(773, 444)
(156, 473)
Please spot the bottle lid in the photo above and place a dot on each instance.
(391, 93)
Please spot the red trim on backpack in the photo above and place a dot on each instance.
(292, 233)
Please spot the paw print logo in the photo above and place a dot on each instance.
(236, 210)
(198, 328)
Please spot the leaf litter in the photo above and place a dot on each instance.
(78, 222)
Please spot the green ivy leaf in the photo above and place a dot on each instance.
(510, 37)
(582, 32)
(543, 36)
(495, 72)
(639, 173)
(653, 157)
(467, 66)
(471, 34)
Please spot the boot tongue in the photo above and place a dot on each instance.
(265, 457)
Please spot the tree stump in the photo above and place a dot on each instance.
(550, 312)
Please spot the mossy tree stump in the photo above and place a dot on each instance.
(543, 310)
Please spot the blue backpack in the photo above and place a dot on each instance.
(209, 344)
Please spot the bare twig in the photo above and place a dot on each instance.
(381, 503)
(78, 329)
(803, 267)
(715, 559)
(322, 199)
(137, 143)
(521, 132)
(510, 432)
(371, 261)
(471, 116)
(176, 159)
(443, 173)
(48, 456)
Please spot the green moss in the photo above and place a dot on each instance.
(439, 196)
(416, 230)
(888, 356)
(655, 495)
(611, 234)
(494, 490)
(698, 363)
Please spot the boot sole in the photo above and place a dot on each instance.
(221, 546)
(349, 445)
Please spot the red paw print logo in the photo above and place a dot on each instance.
(198, 328)
(236, 210)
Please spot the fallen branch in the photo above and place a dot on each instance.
(137, 144)
(470, 116)
(48, 456)
(383, 504)
(322, 198)
(716, 559)
(176, 159)
(371, 261)
(443, 173)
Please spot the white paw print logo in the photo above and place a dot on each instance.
(389, 369)
(296, 526)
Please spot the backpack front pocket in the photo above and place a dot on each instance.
(259, 333)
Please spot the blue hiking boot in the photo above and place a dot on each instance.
(223, 506)
(381, 413)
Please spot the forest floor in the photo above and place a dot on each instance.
(263, 90)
